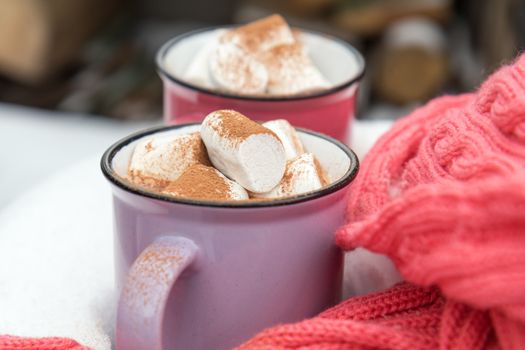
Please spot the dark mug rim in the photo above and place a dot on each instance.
(109, 173)
(161, 53)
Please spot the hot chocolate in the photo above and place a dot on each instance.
(260, 58)
(231, 158)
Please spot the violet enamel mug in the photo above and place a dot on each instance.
(204, 275)
(330, 111)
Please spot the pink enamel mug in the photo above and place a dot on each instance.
(330, 111)
(204, 275)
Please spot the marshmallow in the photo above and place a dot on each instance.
(232, 69)
(264, 57)
(234, 64)
(204, 182)
(290, 71)
(157, 161)
(243, 150)
(288, 136)
(198, 72)
(303, 174)
(260, 36)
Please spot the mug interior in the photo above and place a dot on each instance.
(339, 62)
(337, 160)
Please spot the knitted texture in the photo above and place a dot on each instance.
(443, 195)
(8, 342)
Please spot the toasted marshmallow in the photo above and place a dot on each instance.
(290, 71)
(204, 182)
(244, 150)
(288, 136)
(260, 36)
(159, 160)
(232, 69)
(303, 174)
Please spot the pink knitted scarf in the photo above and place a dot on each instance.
(8, 342)
(443, 195)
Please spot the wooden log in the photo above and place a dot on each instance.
(38, 37)
(412, 63)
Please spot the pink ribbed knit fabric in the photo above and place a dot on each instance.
(8, 342)
(443, 195)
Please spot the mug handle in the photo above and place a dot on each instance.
(145, 292)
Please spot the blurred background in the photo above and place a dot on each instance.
(84, 71)
(97, 56)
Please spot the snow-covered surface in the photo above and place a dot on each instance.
(35, 144)
(56, 259)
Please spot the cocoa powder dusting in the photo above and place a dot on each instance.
(146, 181)
(241, 70)
(253, 34)
(193, 147)
(284, 55)
(285, 63)
(297, 143)
(288, 177)
(189, 150)
(236, 127)
(200, 182)
(199, 150)
(322, 174)
(293, 171)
